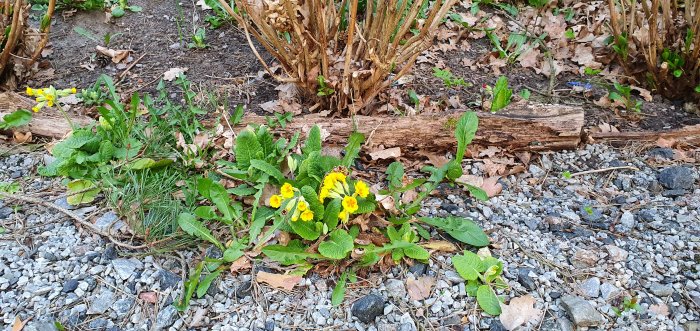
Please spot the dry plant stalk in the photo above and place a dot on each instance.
(22, 45)
(356, 53)
(651, 27)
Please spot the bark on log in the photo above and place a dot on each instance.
(689, 135)
(46, 123)
(532, 127)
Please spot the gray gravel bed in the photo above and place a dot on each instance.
(579, 246)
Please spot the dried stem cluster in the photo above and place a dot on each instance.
(21, 45)
(356, 48)
(645, 29)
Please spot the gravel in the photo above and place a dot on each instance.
(578, 246)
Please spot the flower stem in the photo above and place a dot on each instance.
(65, 115)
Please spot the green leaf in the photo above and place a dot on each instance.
(352, 149)
(191, 226)
(237, 115)
(293, 253)
(268, 169)
(461, 229)
(395, 174)
(313, 141)
(477, 192)
(205, 212)
(311, 198)
(219, 196)
(134, 9)
(247, 148)
(416, 252)
(306, 230)
(465, 132)
(140, 164)
(330, 216)
(117, 12)
(338, 246)
(234, 252)
(469, 265)
(488, 301)
(339, 290)
(206, 283)
(525, 94)
(614, 96)
(501, 94)
(15, 119)
(190, 287)
(88, 192)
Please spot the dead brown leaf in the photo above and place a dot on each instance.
(492, 187)
(242, 264)
(437, 160)
(285, 282)
(116, 55)
(667, 143)
(389, 153)
(419, 289)
(519, 311)
(22, 137)
(150, 297)
(18, 325)
(440, 245)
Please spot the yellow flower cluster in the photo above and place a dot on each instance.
(48, 96)
(335, 186)
(299, 204)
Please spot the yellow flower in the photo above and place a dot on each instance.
(361, 189)
(343, 216)
(307, 215)
(350, 204)
(73, 90)
(301, 206)
(275, 201)
(36, 108)
(30, 91)
(50, 98)
(334, 186)
(287, 191)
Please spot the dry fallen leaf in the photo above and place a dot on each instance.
(519, 311)
(243, 263)
(389, 153)
(18, 325)
(285, 282)
(116, 55)
(172, 73)
(440, 245)
(150, 297)
(667, 143)
(659, 309)
(419, 289)
(21, 137)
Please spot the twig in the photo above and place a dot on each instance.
(123, 73)
(72, 215)
(604, 170)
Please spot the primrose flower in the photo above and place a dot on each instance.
(334, 186)
(343, 216)
(302, 206)
(275, 201)
(361, 189)
(350, 204)
(287, 190)
(307, 215)
(48, 96)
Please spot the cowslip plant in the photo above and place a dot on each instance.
(500, 94)
(49, 97)
(483, 275)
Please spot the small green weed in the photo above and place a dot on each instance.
(483, 275)
(198, 39)
(623, 95)
(628, 304)
(500, 95)
(15, 119)
(448, 78)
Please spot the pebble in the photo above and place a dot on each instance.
(368, 308)
(582, 313)
(101, 303)
(124, 268)
(661, 290)
(591, 287)
(677, 178)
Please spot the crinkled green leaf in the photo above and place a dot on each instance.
(269, 169)
(338, 245)
(468, 265)
(488, 301)
(206, 283)
(339, 290)
(465, 132)
(459, 228)
(313, 141)
(293, 253)
(247, 148)
(86, 196)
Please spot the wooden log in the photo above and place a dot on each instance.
(688, 135)
(46, 123)
(531, 127)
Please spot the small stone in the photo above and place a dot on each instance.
(609, 291)
(110, 253)
(124, 268)
(662, 153)
(368, 308)
(453, 277)
(270, 325)
(166, 317)
(591, 287)
(674, 193)
(536, 171)
(123, 306)
(167, 279)
(677, 178)
(584, 259)
(554, 295)
(107, 221)
(582, 313)
(396, 289)
(214, 252)
(98, 324)
(627, 222)
(63, 203)
(616, 254)
(243, 289)
(70, 286)
(661, 290)
(101, 303)
(418, 269)
(525, 280)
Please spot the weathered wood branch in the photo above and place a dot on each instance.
(47, 123)
(532, 127)
(689, 135)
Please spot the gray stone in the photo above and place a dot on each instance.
(418, 269)
(368, 308)
(101, 303)
(109, 219)
(98, 324)
(453, 277)
(677, 178)
(122, 306)
(627, 222)
(591, 287)
(582, 313)
(124, 268)
(243, 289)
(616, 254)
(661, 290)
(536, 171)
(609, 291)
(167, 279)
(662, 153)
(63, 203)
(525, 280)
(166, 317)
(70, 286)
(396, 289)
